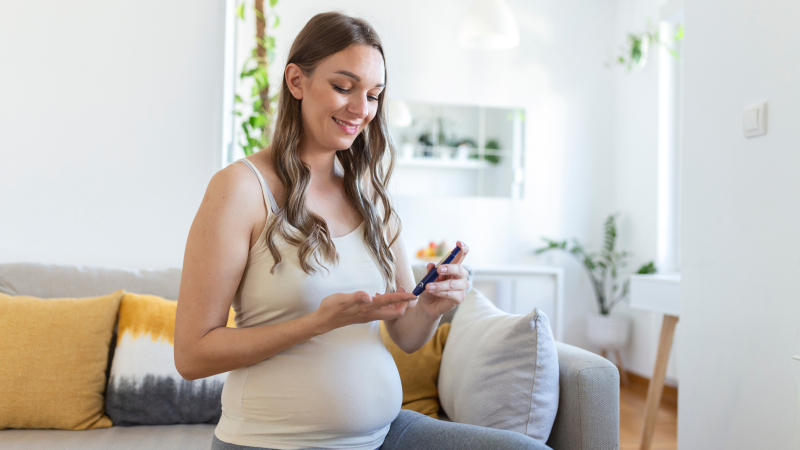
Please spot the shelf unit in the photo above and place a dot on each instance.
(429, 160)
(442, 163)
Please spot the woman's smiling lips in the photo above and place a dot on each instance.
(348, 127)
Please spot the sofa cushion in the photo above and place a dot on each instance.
(172, 437)
(145, 388)
(419, 371)
(54, 355)
(500, 370)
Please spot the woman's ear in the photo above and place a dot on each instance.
(294, 78)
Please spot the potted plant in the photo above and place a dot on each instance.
(604, 330)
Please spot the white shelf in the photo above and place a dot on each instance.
(443, 163)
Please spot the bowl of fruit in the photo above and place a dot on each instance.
(433, 252)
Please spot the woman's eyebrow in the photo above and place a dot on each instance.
(355, 77)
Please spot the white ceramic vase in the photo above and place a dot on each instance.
(608, 332)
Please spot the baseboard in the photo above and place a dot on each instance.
(670, 394)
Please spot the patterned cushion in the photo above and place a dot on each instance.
(145, 388)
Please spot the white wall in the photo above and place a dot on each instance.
(109, 128)
(110, 125)
(556, 75)
(740, 314)
(636, 177)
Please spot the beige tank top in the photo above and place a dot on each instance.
(337, 390)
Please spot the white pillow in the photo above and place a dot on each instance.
(500, 370)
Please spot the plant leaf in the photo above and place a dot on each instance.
(679, 33)
(647, 268)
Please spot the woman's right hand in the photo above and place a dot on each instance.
(339, 310)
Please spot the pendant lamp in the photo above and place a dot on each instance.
(490, 24)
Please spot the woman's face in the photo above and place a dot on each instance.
(341, 97)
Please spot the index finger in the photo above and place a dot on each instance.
(394, 297)
(462, 254)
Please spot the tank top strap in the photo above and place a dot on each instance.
(269, 200)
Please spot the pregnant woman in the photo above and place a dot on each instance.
(302, 240)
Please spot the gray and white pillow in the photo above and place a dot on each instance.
(144, 387)
(500, 370)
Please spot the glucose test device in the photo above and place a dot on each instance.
(433, 274)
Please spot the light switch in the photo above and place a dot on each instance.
(751, 120)
(754, 120)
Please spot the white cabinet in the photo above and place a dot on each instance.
(518, 289)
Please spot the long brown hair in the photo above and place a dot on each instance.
(365, 181)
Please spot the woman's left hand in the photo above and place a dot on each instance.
(449, 289)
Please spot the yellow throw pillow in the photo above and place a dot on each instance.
(144, 386)
(419, 371)
(54, 354)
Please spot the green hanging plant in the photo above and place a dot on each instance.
(633, 55)
(257, 110)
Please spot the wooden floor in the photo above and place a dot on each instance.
(631, 420)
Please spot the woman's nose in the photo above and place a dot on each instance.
(359, 106)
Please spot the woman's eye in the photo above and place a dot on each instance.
(345, 91)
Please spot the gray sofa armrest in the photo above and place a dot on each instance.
(588, 407)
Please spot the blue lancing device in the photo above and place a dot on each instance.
(433, 274)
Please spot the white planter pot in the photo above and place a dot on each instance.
(608, 332)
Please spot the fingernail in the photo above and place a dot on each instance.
(442, 269)
(431, 287)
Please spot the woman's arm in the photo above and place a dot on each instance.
(416, 327)
(216, 254)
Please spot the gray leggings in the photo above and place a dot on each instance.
(411, 429)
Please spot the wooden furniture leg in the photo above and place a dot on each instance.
(657, 382)
(623, 374)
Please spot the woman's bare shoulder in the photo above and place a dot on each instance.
(233, 183)
(232, 207)
(263, 162)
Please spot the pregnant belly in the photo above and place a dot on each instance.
(341, 383)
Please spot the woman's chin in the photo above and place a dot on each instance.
(343, 144)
